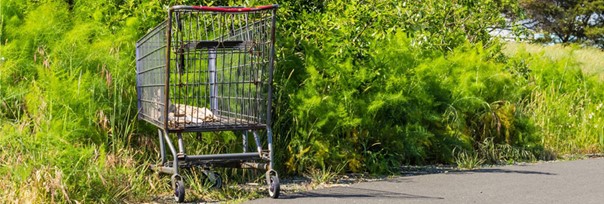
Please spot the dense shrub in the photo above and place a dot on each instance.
(372, 86)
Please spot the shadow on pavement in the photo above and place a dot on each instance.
(505, 171)
(404, 179)
(352, 192)
(418, 171)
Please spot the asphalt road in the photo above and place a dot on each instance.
(580, 181)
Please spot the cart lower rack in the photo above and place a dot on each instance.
(209, 69)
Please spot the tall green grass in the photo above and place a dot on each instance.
(68, 127)
(565, 100)
(67, 119)
(589, 59)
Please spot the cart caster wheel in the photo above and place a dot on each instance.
(179, 192)
(274, 187)
(179, 188)
(216, 180)
(272, 178)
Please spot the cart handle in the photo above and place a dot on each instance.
(225, 9)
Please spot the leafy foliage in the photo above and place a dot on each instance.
(356, 86)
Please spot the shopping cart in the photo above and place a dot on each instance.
(209, 69)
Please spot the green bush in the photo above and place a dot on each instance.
(355, 81)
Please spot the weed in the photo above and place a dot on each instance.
(467, 160)
(321, 176)
(503, 153)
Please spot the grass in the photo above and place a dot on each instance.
(591, 60)
(565, 101)
(321, 176)
(467, 160)
(503, 153)
(488, 152)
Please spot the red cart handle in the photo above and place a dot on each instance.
(227, 9)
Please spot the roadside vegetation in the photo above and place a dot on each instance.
(360, 87)
(589, 59)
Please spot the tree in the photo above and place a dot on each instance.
(567, 21)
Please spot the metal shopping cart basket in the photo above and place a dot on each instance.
(209, 69)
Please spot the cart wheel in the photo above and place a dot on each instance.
(272, 178)
(179, 188)
(215, 179)
(179, 192)
(274, 187)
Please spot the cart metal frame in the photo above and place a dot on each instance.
(209, 69)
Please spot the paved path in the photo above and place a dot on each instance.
(580, 181)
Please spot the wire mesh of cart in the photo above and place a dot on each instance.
(209, 69)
